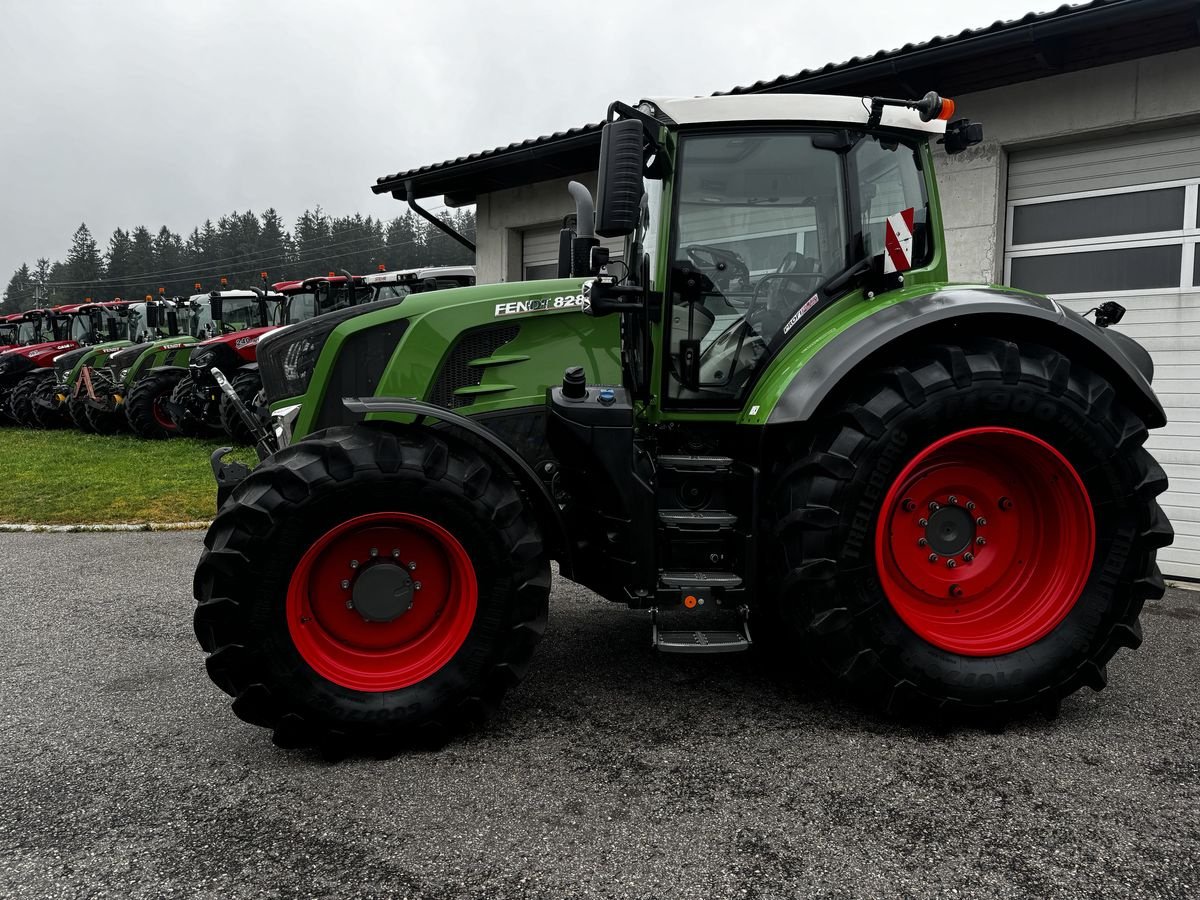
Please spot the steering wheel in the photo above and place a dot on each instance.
(720, 265)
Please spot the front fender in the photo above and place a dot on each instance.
(548, 514)
(975, 311)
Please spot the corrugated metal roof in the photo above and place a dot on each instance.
(972, 59)
(1000, 25)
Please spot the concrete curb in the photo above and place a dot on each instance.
(142, 526)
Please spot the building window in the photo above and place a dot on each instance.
(1130, 240)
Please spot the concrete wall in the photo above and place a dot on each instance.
(1141, 94)
(501, 216)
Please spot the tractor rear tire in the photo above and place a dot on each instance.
(145, 405)
(49, 417)
(21, 403)
(278, 590)
(972, 535)
(77, 409)
(246, 385)
(183, 395)
(105, 421)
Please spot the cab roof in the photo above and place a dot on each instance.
(788, 108)
(403, 275)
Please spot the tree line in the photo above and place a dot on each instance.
(238, 247)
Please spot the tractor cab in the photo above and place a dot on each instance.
(309, 297)
(402, 282)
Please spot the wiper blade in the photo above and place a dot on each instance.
(842, 279)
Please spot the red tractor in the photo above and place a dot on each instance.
(44, 334)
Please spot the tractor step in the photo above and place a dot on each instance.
(697, 518)
(700, 641)
(696, 464)
(682, 580)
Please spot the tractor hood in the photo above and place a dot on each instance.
(43, 354)
(129, 355)
(244, 343)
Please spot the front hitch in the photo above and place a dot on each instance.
(265, 442)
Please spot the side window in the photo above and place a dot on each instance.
(890, 182)
(81, 328)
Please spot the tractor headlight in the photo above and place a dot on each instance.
(288, 357)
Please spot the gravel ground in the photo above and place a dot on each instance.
(609, 773)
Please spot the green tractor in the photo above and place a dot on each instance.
(133, 387)
(776, 419)
(118, 324)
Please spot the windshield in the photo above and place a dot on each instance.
(237, 314)
(299, 307)
(763, 220)
(81, 327)
(135, 323)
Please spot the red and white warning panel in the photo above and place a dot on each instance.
(897, 242)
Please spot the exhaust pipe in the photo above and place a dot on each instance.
(585, 230)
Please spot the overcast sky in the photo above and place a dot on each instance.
(158, 112)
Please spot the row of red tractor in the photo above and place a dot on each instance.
(166, 366)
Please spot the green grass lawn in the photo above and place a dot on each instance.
(66, 477)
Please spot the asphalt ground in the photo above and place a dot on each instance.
(608, 773)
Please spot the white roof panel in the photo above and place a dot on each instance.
(789, 108)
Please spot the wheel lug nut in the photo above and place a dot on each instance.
(933, 506)
(349, 604)
(395, 554)
(952, 500)
(955, 590)
(1005, 504)
(933, 557)
(345, 583)
(981, 521)
(980, 541)
(412, 567)
(909, 506)
(950, 564)
(354, 563)
(968, 556)
(374, 551)
(416, 585)
(921, 542)
(922, 522)
(971, 504)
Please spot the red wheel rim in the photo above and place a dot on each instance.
(1012, 516)
(331, 632)
(161, 416)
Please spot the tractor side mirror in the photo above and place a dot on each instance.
(217, 307)
(172, 321)
(113, 333)
(962, 134)
(152, 317)
(566, 238)
(619, 188)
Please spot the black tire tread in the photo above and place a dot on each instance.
(807, 532)
(139, 404)
(270, 495)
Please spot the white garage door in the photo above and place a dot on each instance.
(539, 251)
(1119, 219)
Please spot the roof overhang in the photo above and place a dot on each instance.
(800, 108)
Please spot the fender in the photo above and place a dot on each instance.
(156, 370)
(998, 313)
(249, 367)
(548, 514)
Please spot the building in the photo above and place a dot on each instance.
(1086, 186)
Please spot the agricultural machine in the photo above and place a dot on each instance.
(133, 386)
(27, 370)
(775, 418)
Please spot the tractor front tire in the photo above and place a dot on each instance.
(105, 421)
(21, 402)
(183, 395)
(972, 534)
(145, 405)
(77, 408)
(54, 415)
(246, 385)
(365, 589)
